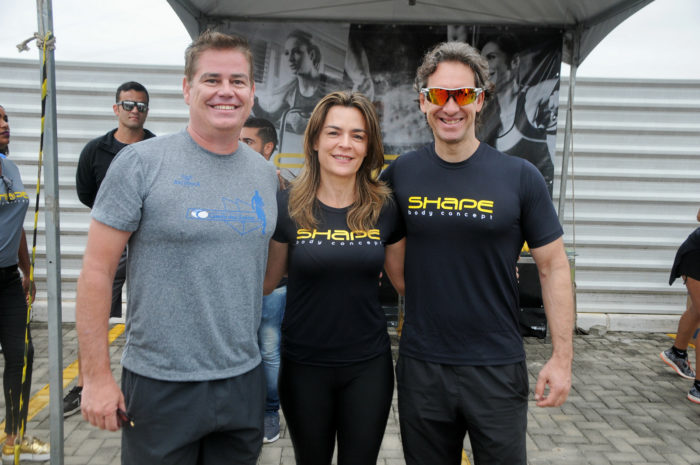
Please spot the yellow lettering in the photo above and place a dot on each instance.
(450, 203)
(417, 201)
(326, 234)
(374, 234)
(340, 235)
(486, 206)
(303, 234)
(426, 202)
(359, 234)
(467, 203)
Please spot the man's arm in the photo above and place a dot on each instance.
(85, 183)
(557, 296)
(394, 257)
(25, 265)
(276, 265)
(101, 395)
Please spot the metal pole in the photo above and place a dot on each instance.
(569, 125)
(53, 246)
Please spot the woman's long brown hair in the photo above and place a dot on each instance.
(370, 193)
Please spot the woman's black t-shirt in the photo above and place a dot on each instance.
(333, 315)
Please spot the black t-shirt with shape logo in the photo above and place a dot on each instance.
(333, 315)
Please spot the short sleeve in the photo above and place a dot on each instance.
(540, 223)
(388, 175)
(120, 198)
(393, 221)
(281, 233)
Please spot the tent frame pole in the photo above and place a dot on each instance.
(568, 132)
(53, 246)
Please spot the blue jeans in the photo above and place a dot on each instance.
(269, 336)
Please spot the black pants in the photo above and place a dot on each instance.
(350, 401)
(218, 422)
(439, 404)
(13, 321)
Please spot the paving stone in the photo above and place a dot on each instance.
(625, 407)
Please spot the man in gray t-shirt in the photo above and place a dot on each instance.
(197, 209)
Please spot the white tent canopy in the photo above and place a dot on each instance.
(592, 19)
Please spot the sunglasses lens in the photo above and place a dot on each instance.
(464, 96)
(128, 105)
(438, 96)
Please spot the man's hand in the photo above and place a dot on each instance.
(558, 299)
(26, 285)
(24, 265)
(101, 396)
(100, 401)
(555, 375)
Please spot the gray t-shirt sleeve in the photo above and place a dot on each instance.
(120, 198)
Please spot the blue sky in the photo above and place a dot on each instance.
(149, 32)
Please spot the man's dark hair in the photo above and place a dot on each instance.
(266, 130)
(131, 85)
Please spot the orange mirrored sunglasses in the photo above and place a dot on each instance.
(463, 95)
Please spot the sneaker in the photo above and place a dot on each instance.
(694, 394)
(272, 429)
(71, 403)
(31, 450)
(680, 365)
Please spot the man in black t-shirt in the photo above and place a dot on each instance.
(467, 209)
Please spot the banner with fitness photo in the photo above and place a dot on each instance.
(298, 63)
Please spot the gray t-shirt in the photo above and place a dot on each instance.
(201, 224)
(14, 202)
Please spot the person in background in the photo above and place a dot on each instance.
(14, 292)
(467, 209)
(260, 135)
(687, 266)
(303, 91)
(131, 110)
(519, 118)
(337, 227)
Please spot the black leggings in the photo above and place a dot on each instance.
(351, 401)
(13, 319)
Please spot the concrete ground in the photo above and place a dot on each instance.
(626, 407)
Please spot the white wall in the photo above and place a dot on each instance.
(635, 174)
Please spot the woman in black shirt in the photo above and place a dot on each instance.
(337, 227)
